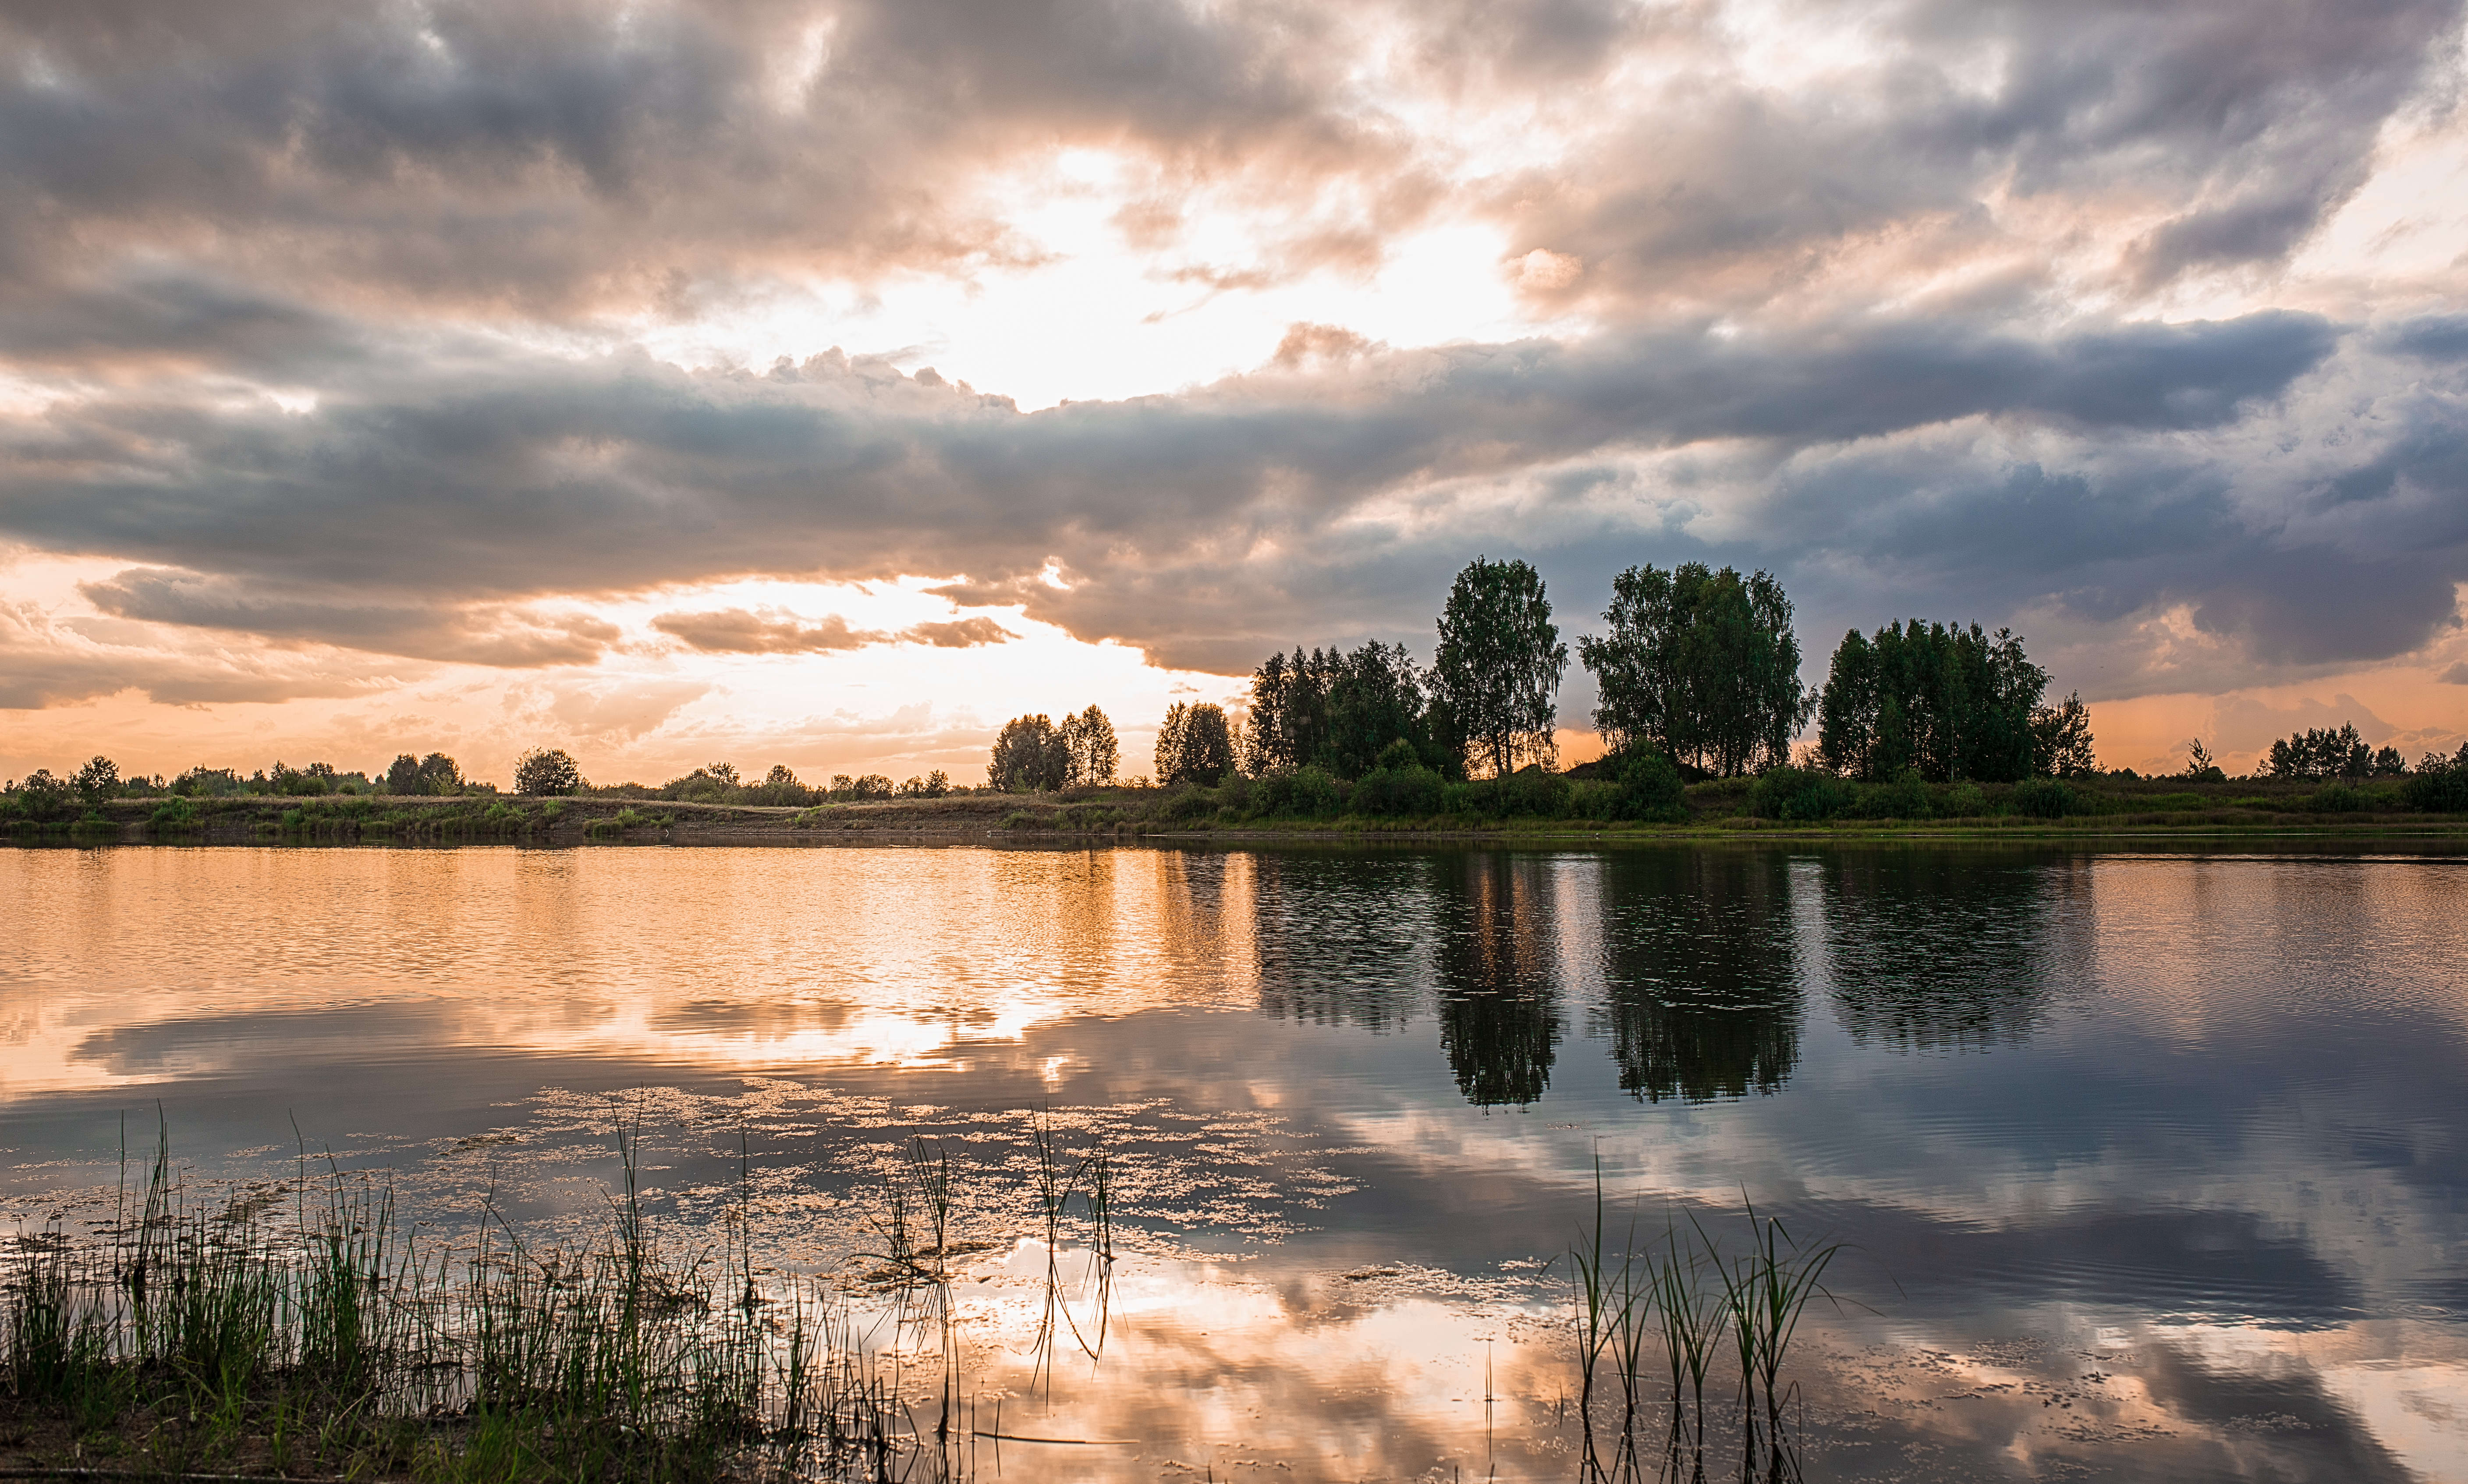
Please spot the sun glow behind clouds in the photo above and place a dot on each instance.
(902, 682)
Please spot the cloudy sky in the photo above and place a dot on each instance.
(826, 382)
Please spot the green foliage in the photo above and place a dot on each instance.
(434, 776)
(2340, 799)
(1339, 711)
(2062, 745)
(1952, 702)
(1500, 664)
(2439, 786)
(1801, 794)
(1029, 756)
(1406, 790)
(1703, 664)
(550, 770)
(1193, 746)
(208, 782)
(177, 814)
(2321, 752)
(99, 780)
(41, 798)
(2046, 798)
(1089, 743)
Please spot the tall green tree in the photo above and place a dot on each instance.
(1703, 664)
(1949, 701)
(1500, 664)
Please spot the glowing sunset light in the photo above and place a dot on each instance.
(672, 383)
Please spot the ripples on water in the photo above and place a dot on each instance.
(2155, 1166)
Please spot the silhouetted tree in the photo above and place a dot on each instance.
(2321, 752)
(1193, 744)
(1500, 664)
(99, 780)
(1030, 756)
(1703, 664)
(1088, 739)
(2061, 740)
(546, 771)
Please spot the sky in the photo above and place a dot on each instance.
(825, 383)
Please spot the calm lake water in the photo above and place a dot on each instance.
(2153, 1166)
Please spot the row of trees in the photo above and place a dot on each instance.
(2328, 752)
(1033, 754)
(1698, 665)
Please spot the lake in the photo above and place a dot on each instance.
(2144, 1165)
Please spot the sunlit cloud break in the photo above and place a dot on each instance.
(485, 378)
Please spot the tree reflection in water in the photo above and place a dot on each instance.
(1930, 950)
(1702, 973)
(1497, 970)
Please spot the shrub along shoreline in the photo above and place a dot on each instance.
(1386, 804)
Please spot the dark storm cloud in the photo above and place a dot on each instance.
(409, 508)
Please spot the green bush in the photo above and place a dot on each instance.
(1411, 791)
(1800, 794)
(1907, 797)
(2045, 798)
(1963, 801)
(2340, 799)
(2439, 786)
(177, 813)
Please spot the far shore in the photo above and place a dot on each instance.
(1112, 815)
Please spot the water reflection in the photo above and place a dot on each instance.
(1702, 973)
(1935, 952)
(2197, 1217)
(1498, 976)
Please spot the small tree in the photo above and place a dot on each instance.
(1029, 756)
(1499, 663)
(438, 775)
(99, 780)
(547, 770)
(2061, 740)
(1193, 746)
(2200, 768)
(1089, 737)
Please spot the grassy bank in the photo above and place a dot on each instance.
(1547, 807)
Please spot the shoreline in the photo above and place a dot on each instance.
(984, 818)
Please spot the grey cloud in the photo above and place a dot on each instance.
(2260, 118)
(302, 613)
(555, 162)
(555, 158)
(38, 670)
(958, 634)
(412, 510)
(743, 631)
(2456, 674)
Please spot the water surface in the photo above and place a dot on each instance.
(2152, 1166)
